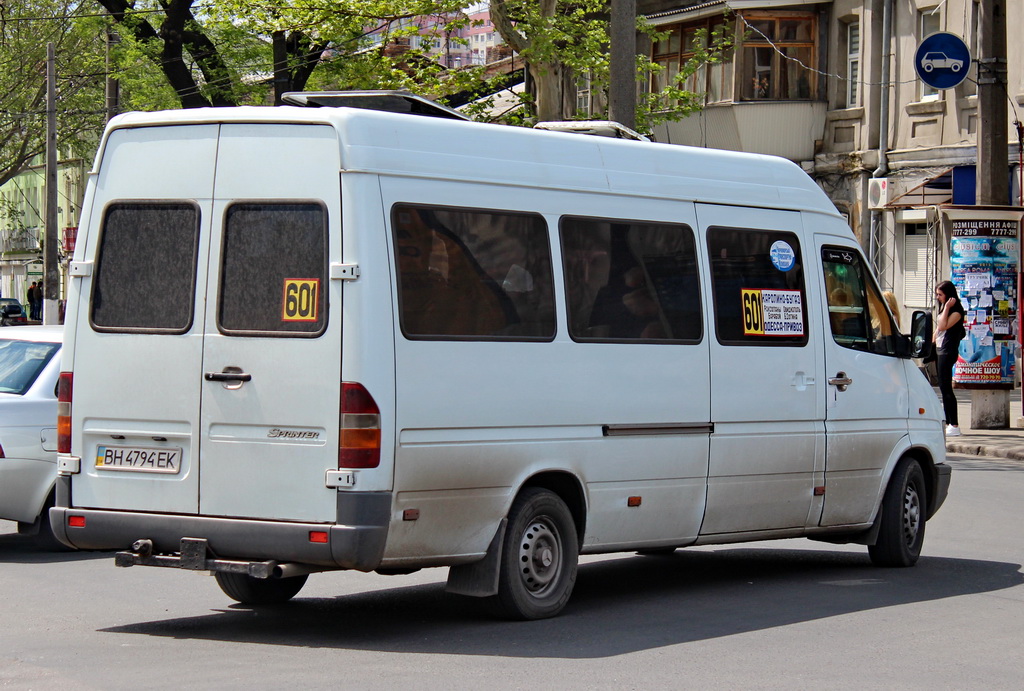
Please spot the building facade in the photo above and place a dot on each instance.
(833, 87)
(22, 223)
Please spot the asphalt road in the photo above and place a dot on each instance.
(791, 614)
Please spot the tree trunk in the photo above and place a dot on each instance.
(548, 77)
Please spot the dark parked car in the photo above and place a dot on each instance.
(11, 312)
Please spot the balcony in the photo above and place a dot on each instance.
(19, 240)
(780, 128)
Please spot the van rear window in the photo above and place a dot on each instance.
(473, 274)
(631, 281)
(146, 268)
(274, 270)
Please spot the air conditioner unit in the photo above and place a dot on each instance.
(878, 193)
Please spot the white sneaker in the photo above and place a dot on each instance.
(952, 431)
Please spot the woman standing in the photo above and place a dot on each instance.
(949, 331)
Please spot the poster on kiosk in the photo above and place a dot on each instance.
(983, 257)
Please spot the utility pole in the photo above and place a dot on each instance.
(992, 171)
(622, 64)
(990, 408)
(51, 279)
(113, 86)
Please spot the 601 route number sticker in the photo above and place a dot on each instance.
(772, 312)
(301, 296)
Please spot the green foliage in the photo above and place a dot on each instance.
(674, 101)
(26, 27)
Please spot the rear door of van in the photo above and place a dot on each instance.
(206, 374)
(139, 330)
(272, 344)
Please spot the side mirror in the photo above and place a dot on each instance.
(921, 335)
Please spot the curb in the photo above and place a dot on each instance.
(1016, 454)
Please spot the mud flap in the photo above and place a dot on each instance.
(480, 578)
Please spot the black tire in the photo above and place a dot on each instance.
(259, 591)
(41, 532)
(539, 557)
(903, 518)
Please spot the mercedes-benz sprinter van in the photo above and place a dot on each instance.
(309, 339)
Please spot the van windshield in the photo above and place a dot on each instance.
(21, 362)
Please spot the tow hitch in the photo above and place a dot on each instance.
(195, 555)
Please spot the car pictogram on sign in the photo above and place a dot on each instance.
(931, 61)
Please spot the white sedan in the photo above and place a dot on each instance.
(29, 366)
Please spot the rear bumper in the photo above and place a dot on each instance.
(356, 542)
(943, 474)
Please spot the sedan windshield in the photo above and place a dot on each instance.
(21, 362)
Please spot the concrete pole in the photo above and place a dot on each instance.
(112, 86)
(993, 133)
(990, 408)
(51, 280)
(622, 63)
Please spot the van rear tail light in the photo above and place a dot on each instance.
(359, 441)
(64, 387)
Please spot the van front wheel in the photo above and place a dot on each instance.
(259, 591)
(903, 517)
(539, 557)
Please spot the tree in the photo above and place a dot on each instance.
(563, 40)
(25, 29)
(235, 52)
(231, 52)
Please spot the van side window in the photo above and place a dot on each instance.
(146, 268)
(273, 270)
(758, 285)
(856, 309)
(630, 280)
(473, 274)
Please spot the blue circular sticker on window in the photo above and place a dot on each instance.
(783, 256)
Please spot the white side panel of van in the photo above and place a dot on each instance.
(864, 423)
(267, 443)
(133, 389)
(767, 449)
(476, 419)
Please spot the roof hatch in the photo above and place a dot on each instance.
(390, 101)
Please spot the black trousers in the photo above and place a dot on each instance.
(944, 365)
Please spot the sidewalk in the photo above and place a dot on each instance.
(1000, 443)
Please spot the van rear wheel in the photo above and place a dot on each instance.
(903, 517)
(539, 557)
(259, 591)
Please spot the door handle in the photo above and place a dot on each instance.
(228, 376)
(232, 374)
(840, 381)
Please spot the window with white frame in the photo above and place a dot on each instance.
(929, 22)
(853, 63)
(583, 95)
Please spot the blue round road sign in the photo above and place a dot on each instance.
(942, 60)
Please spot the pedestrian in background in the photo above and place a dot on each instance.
(38, 304)
(949, 331)
(32, 300)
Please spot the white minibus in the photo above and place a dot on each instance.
(302, 339)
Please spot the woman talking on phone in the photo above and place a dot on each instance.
(949, 331)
